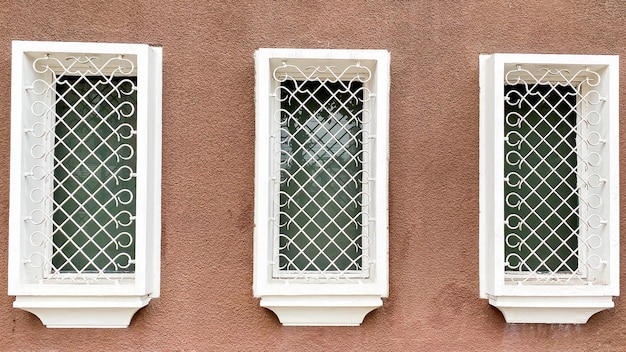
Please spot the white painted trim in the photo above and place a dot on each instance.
(154, 151)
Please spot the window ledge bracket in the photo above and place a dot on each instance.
(326, 310)
(82, 311)
(550, 310)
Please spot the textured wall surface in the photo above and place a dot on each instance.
(206, 299)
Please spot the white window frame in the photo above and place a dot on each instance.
(99, 303)
(568, 302)
(307, 301)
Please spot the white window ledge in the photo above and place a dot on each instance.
(550, 310)
(330, 310)
(82, 311)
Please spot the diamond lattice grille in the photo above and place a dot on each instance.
(320, 208)
(84, 152)
(550, 234)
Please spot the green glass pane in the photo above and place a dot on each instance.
(92, 229)
(321, 170)
(540, 162)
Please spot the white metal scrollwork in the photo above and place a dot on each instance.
(82, 164)
(322, 184)
(554, 147)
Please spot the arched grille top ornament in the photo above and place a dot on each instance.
(86, 65)
(351, 72)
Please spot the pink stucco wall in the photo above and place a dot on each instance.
(206, 299)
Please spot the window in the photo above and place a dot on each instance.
(84, 228)
(321, 184)
(549, 212)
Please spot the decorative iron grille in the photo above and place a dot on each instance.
(553, 175)
(83, 155)
(321, 207)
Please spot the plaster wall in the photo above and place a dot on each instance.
(206, 299)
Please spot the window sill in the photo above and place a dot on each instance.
(550, 310)
(82, 311)
(327, 310)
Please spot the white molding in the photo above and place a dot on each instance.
(325, 310)
(307, 301)
(550, 310)
(82, 311)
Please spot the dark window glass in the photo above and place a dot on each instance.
(94, 191)
(541, 194)
(321, 171)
